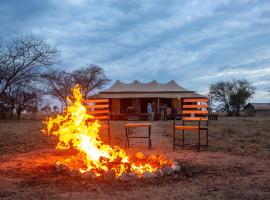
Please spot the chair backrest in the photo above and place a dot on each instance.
(195, 109)
(99, 108)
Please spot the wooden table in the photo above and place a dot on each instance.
(129, 125)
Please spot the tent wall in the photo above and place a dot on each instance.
(115, 106)
(249, 111)
(136, 103)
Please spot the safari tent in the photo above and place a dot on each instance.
(132, 98)
(257, 109)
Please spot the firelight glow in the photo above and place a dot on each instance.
(79, 131)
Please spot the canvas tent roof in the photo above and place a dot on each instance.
(152, 86)
(259, 106)
(152, 89)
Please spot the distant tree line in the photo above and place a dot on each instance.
(27, 73)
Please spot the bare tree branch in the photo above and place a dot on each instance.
(90, 78)
(23, 59)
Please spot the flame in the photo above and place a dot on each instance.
(79, 131)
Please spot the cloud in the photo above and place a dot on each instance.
(248, 73)
(193, 42)
(261, 96)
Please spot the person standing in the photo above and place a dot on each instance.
(150, 112)
(153, 110)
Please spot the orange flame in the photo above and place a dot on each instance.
(78, 130)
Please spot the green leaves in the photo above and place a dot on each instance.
(231, 96)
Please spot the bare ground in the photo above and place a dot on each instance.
(235, 166)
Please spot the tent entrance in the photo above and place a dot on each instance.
(143, 104)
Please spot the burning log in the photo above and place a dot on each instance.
(109, 175)
(140, 155)
(89, 175)
(75, 173)
(60, 167)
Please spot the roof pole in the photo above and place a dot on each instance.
(137, 106)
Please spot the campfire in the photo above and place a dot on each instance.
(78, 131)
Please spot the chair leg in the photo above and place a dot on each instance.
(174, 137)
(127, 139)
(199, 139)
(183, 138)
(206, 138)
(109, 135)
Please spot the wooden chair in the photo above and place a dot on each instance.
(193, 111)
(100, 109)
(128, 135)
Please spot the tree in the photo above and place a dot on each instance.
(210, 103)
(58, 85)
(231, 96)
(6, 111)
(24, 97)
(22, 59)
(46, 109)
(90, 78)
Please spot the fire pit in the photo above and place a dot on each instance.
(79, 131)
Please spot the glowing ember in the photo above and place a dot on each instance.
(79, 131)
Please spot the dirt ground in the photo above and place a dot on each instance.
(235, 166)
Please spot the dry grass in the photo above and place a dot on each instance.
(236, 165)
(244, 136)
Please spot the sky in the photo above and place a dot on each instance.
(192, 42)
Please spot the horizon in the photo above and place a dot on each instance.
(194, 43)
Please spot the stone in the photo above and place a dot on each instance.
(60, 167)
(124, 177)
(152, 157)
(75, 173)
(128, 176)
(133, 175)
(159, 172)
(109, 175)
(148, 175)
(89, 175)
(139, 155)
(167, 170)
(176, 167)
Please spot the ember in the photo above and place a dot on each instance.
(78, 130)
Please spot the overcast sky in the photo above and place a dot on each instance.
(192, 42)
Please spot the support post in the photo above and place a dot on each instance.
(158, 105)
(199, 136)
(149, 139)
